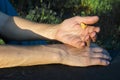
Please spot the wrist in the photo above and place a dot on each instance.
(62, 53)
(49, 31)
(58, 51)
(52, 31)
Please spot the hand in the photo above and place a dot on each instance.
(88, 56)
(70, 31)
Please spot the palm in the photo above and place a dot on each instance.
(71, 33)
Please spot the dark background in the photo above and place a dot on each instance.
(55, 11)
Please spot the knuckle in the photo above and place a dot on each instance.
(101, 55)
(87, 54)
(77, 16)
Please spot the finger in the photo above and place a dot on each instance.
(107, 53)
(91, 33)
(97, 49)
(93, 36)
(100, 50)
(88, 43)
(97, 29)
(87, 20)
(101, 55)
(91, 29)
(99, 61)
(86, 38)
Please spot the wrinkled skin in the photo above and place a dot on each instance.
(89, 56)
(70, 31)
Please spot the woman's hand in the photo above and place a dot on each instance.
(70, 31)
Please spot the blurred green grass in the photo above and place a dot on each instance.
(2, 41)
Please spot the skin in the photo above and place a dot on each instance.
(89, 56)
(72, 33)
(12, 56)
(68, 32)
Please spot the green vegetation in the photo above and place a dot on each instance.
(55, 11)
(1, 42)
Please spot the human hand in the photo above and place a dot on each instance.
(70, 31)
(88, 56)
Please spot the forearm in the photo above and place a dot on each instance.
(16, 28)
(11, 56)
(45, 30)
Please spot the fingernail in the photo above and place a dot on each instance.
(97, 29)
(87, 37)
(108, 62)
(93, 34)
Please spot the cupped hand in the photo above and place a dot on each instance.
(89, 56)
(70, 31)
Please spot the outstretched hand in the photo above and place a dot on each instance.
(89, 56)
(70, 31)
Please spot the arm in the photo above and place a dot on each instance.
(11, 56)
(16, 28)
(69, 31)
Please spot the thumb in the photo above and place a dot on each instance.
(87, 20)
